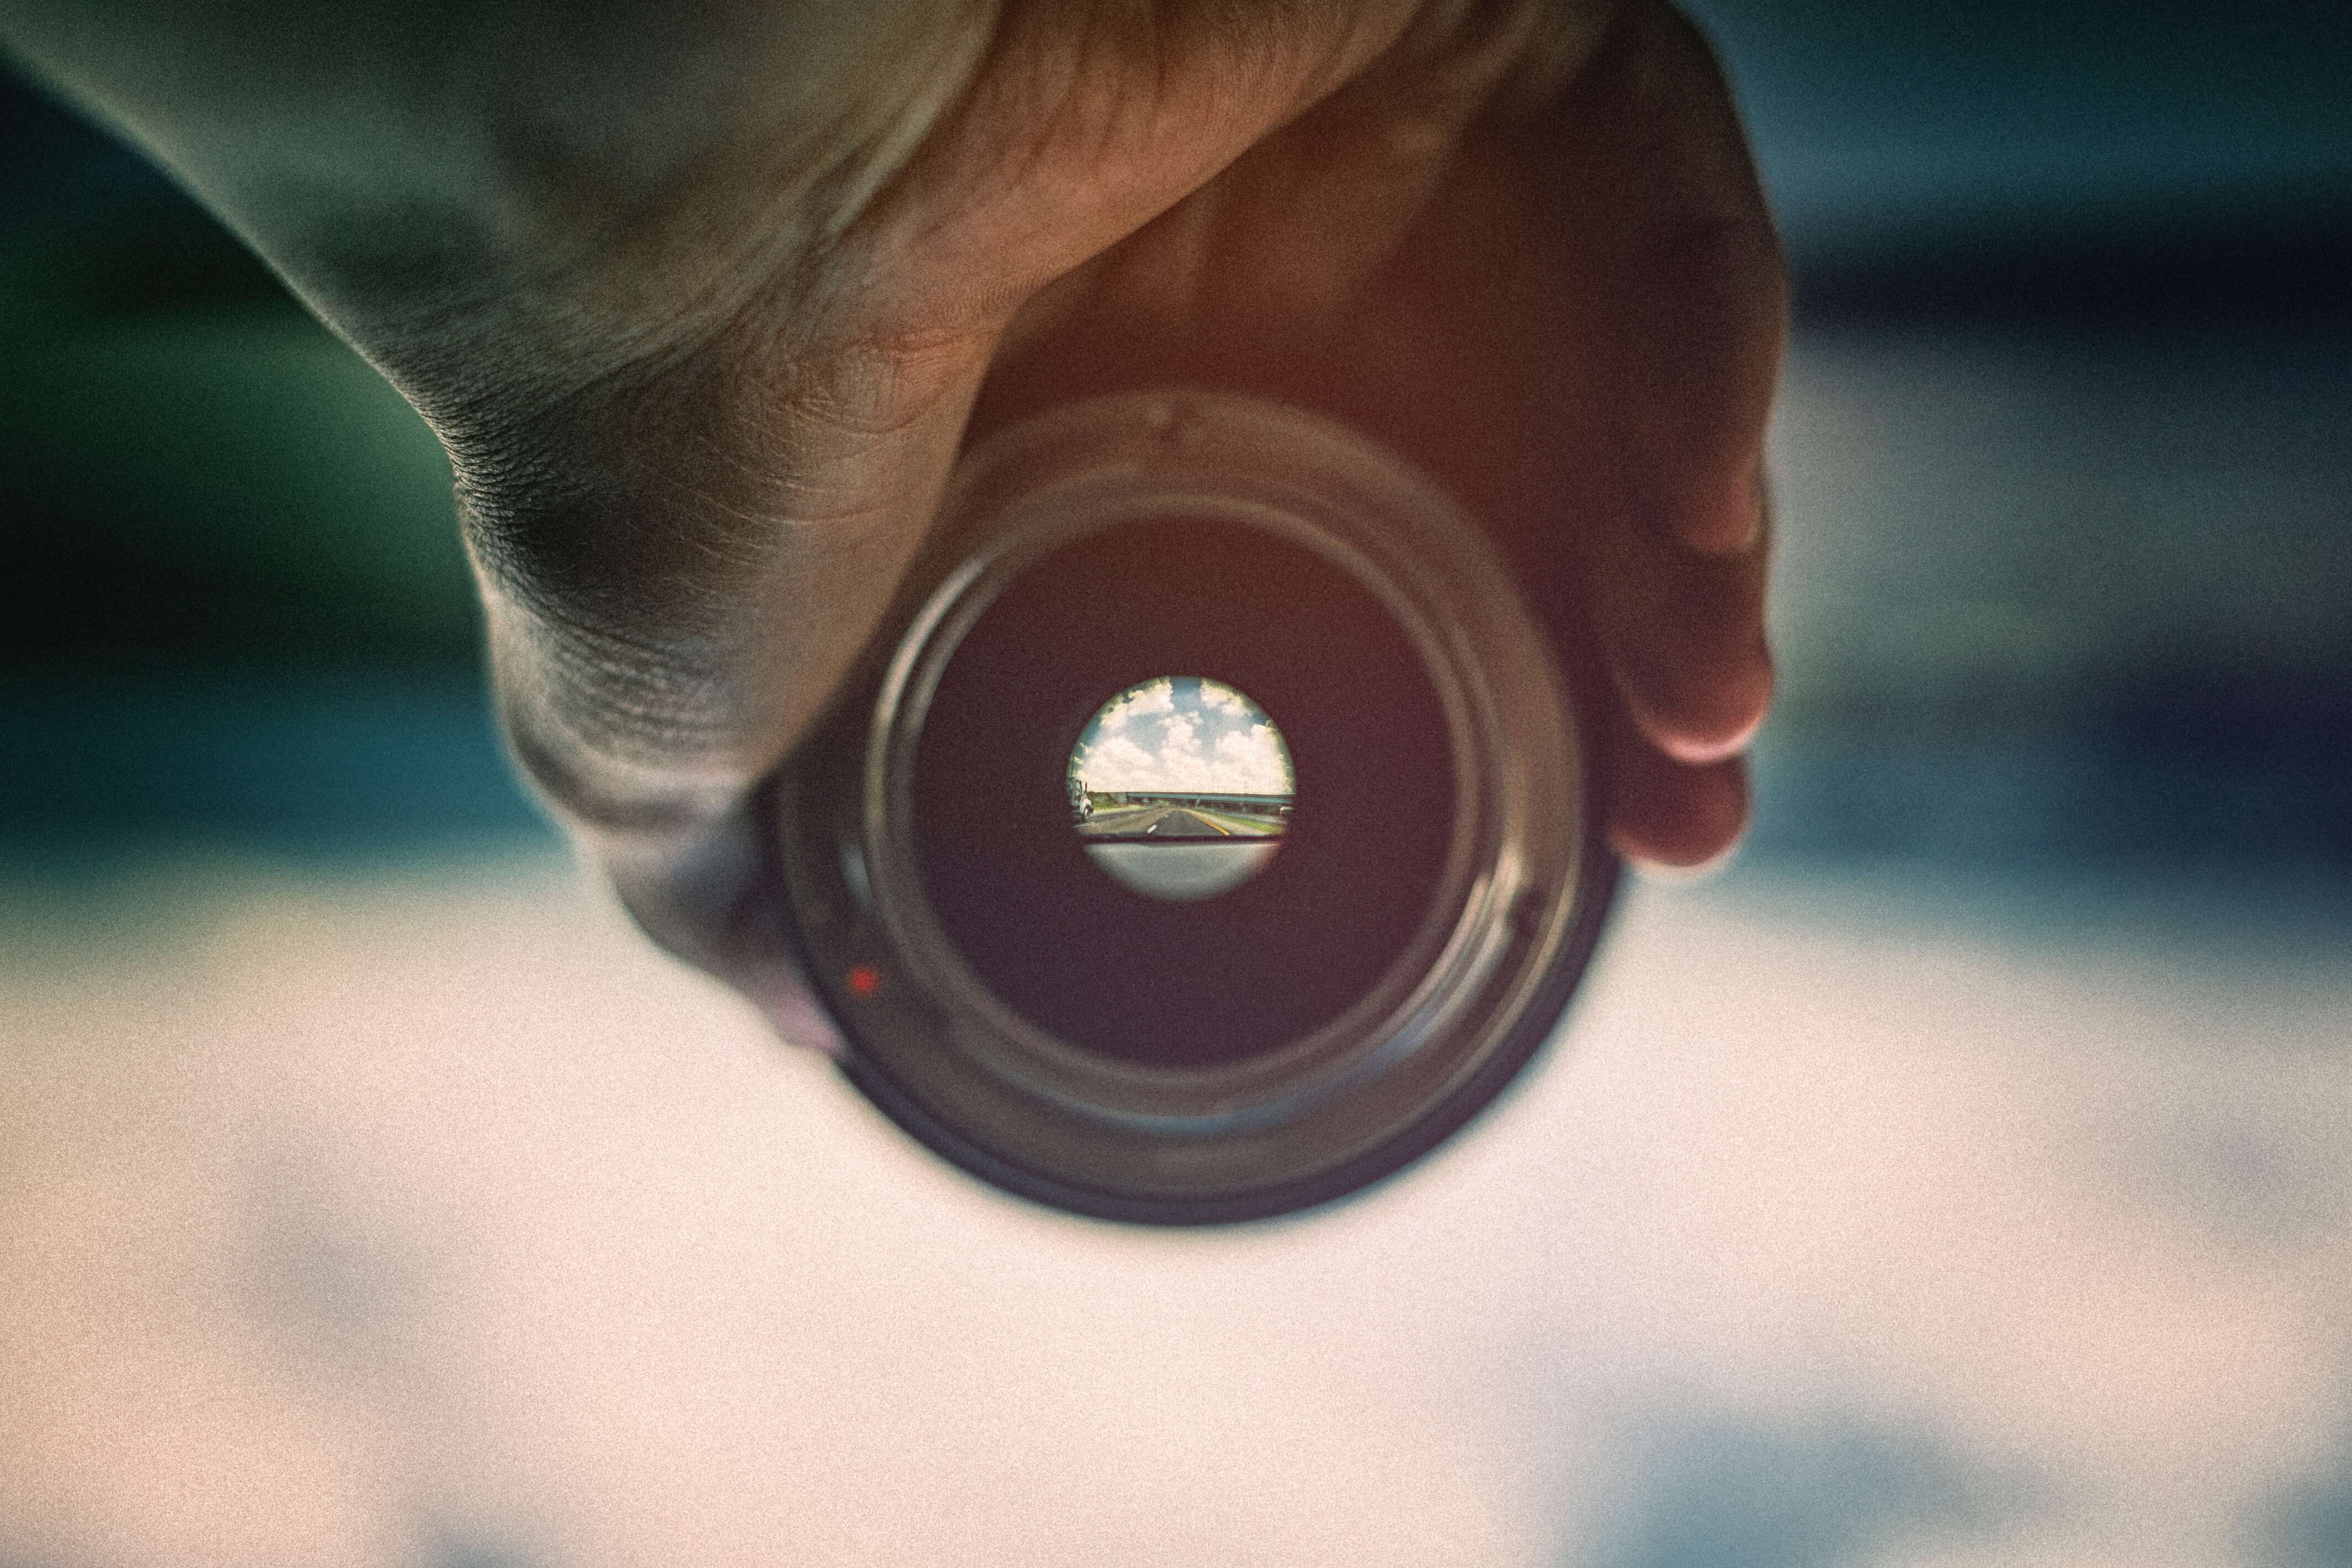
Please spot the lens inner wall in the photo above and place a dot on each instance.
(1177, 983)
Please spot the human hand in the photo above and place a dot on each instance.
(704, 306)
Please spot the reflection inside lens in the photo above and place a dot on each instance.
(1181, 788)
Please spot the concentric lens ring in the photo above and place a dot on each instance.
(917, 862)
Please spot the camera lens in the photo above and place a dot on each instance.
(1212, 835)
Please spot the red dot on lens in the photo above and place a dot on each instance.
(863, 981)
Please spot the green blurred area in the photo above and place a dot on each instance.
(234, 608)
(194, 468)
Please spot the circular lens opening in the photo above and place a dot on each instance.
(1170, 982)
(1181, 788)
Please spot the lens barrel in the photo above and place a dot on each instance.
(1409, 944)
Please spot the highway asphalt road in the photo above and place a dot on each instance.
(1160, 821)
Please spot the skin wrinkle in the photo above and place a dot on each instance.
(1383, 142)
(684, 697)
(657, 802)
(1117, 135)
(1212, 226)
(633, 707)
(570, 542)
(865, 140)
(675, 262)
(883, 165)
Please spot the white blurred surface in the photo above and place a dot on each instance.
(426, 1216)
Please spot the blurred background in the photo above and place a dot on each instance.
(1963, 1176)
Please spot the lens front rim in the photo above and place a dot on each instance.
(1203, 1102)
(1506, 932)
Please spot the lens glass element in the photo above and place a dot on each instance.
(1181, 788)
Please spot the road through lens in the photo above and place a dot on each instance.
(1181, 788)
(1125, 596)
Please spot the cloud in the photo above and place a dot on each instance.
(1221, 699)
(1183, 736)
(1114, 758)
(1143, 702)
(1253, 759)
(1179, 736)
